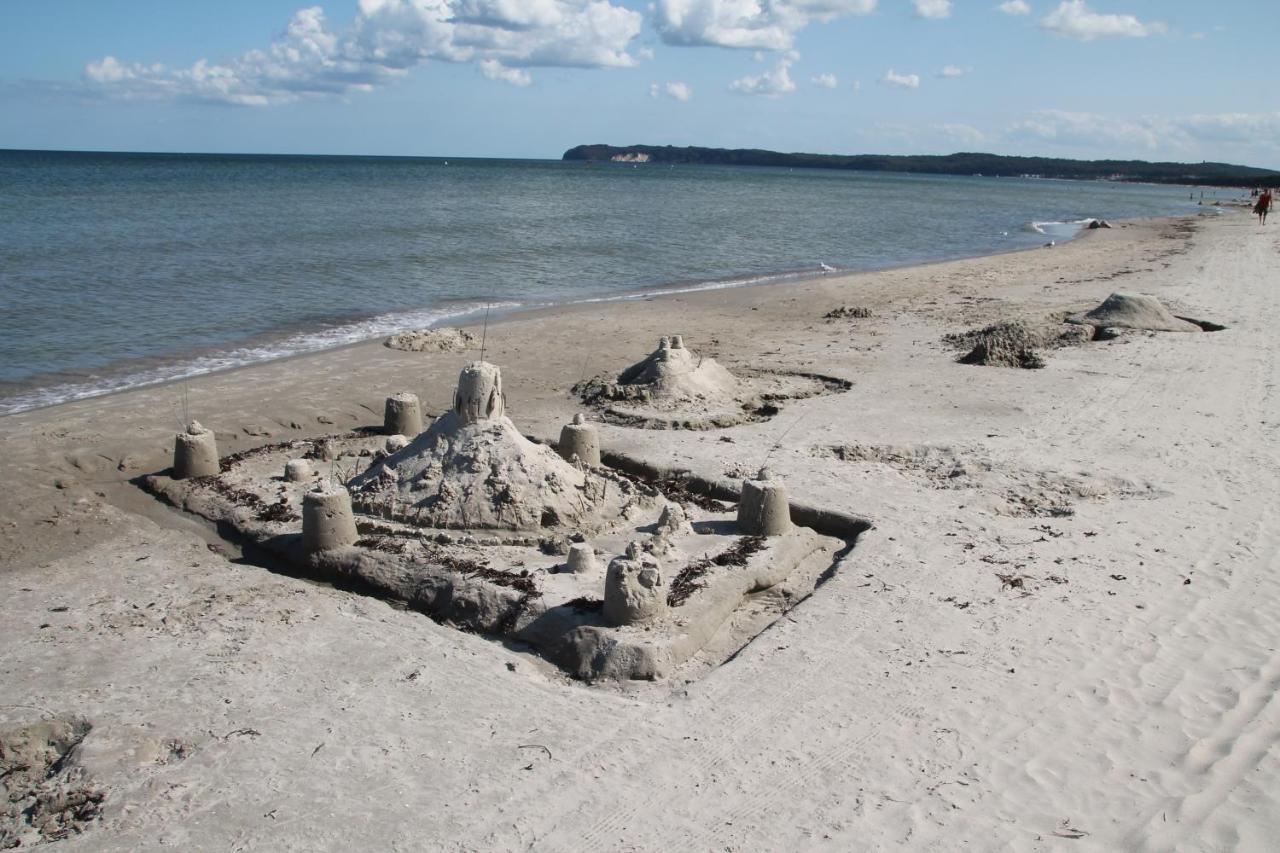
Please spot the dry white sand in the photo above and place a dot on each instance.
(1060, 635)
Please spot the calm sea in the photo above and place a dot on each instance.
(118, 270)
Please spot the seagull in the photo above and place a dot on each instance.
(826, 267)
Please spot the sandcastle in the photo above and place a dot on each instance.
(596, 569)
(676, 388)
(672, 372)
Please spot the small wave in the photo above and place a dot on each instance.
(1059, 228)
(714, 284)
(349, 333)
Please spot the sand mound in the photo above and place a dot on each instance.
(473, 469)
(1017, 343)
(1010, 344)
(431, 340)
(674, 373)
(1133, 311)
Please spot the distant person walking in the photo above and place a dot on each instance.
(1263, 205)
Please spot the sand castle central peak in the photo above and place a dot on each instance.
(474, 469)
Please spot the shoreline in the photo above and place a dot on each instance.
(1057, 628)
(468, 319)
(317, 392)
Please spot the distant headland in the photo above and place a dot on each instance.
(990, 165)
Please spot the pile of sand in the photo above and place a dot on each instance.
(473, 469)
(432, 340)
(1133, 311)
(673, 373)
(1017, 343)
(1009, 344)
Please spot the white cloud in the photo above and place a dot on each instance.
(905, 81)
(1074, 19)
(1088, 129)
(749, 24)
(1231, 128)
(386, 40)
(953, 71)
(961, 133)
(1171, 133)
(771, 83)
(679, 91)
(826, 81)
(495, 70)
(1231, 137)
(933, 8)
(1015, 7)
(857, 85)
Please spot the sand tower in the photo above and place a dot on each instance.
(327, 520)
(763, 509)
(297, 471)
(402, 415)
(195, 453)
(580, 440)
(473, 469)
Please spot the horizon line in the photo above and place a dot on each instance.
(559, 159)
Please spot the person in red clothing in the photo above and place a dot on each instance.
(1263, 205)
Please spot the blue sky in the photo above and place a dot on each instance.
(1155, 79)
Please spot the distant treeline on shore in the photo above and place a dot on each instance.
(991, 165)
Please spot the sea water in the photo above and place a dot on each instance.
(118, 270)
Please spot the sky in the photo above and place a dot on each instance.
(1184, 80)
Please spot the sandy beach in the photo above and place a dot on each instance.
(1058, 635)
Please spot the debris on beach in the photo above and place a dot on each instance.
(845, 312)
(432, 340)
(44, 793)
(1007, 489)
